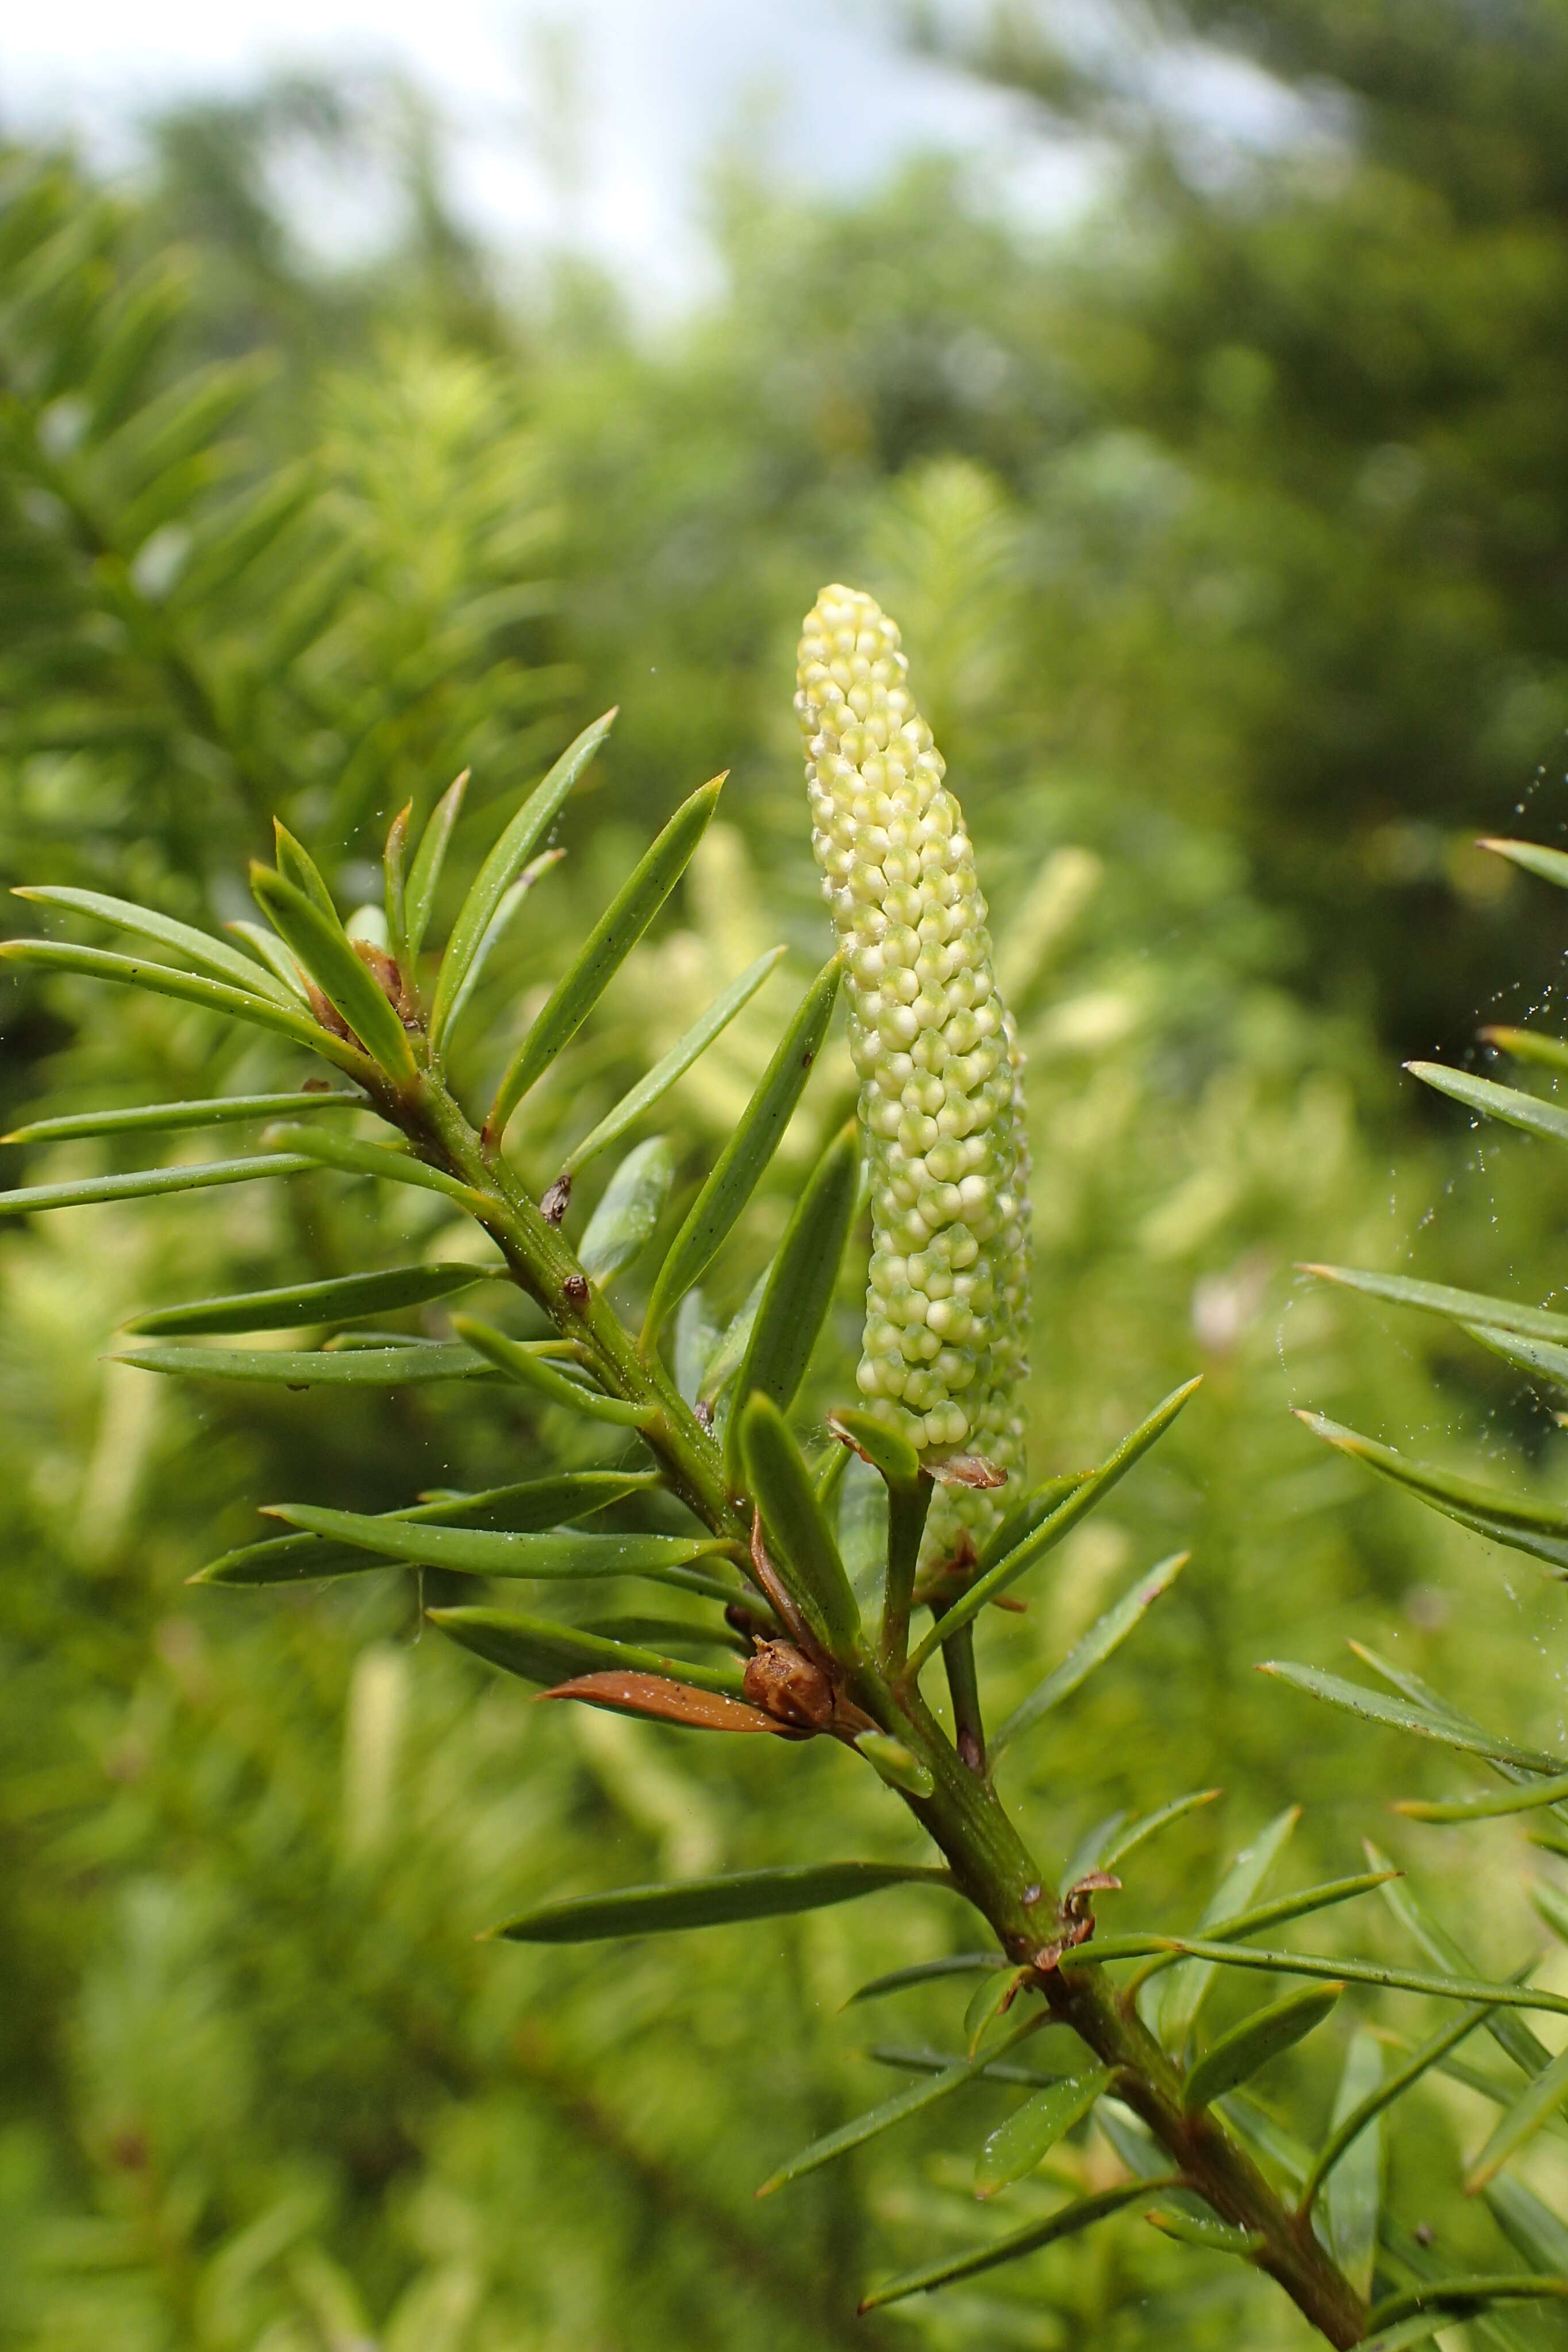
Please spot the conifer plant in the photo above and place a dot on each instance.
(679, 1433)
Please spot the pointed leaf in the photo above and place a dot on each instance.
(1117, 1847)
(740, 1166)
(353, 1157)
(205, 953)
(1523, 1799)
(955, 1964)
(1454, 1306)
(1237, 2056)
(1181, 1996)
(712, 1902)
(512, 899)
(1530, 2227)
(658, 1699)
(725, 1359)
(800, 1285)
(1066, 2223)
(988, 2001)
(1352, 2115)
(1492, 1101)
(143, 1183)
(419, 899)
(1205, 2232)
(394, 867)
(1301, 1904)
(502, 868)
(1098, 1644)
(1400, 1715)
(191, 988)
(486, 1552)
(348, 984)
(1551, 864)
(631, 1206)
(675, 1063)
(541, 1650)
(345, 1299)
(888, 1451)
(1032, 2130)
(1533, 2108)
(804, 1555)
(535, 1504)
(1302, 1964)
(269, 948)
(1510, 2031)
(1031, 1511)
(1543, 1358)
(302, 1367)
(891, 1761)
(606, 948)
(525, 1368)
(300, 872)
(1540, 1528)
(890, 2113)
(993, 2070)
(165, 1119)
(1050, 1532)
(1528, 1045)
(1460, 2297)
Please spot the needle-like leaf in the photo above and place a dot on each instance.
(355, 1156)
(630, 1207)
(740, 1166)
(892, 2112)
(1302, 1964)
(1050, 1530)
(394, 867)
(272, 952)
(1457, 2298)
(299, 1368)
(1239, 2054)
(302, 872)
(539, 1650)
(1116, 1847)
(1551, 864)
(1543, 1358)
(345, 1299)
(800, 1286)
(714, 1902)
(349, 985)
(1528, 1045)
(1540, 1528)
(1533, 2108)
(1182, 1994)
(143, 1183)
(804, 1556)
(1102, 1640)
(1066, 2223)
(1507, 2029)
(167, 1118)
(1454, 1306)
(500, 871)
(1492, 1101)
(500, 923)
(419, 898)
(200, 950)
(284, 1019)
(1351, 2119)
(1531, 2227)
(525, 1368)
(486, 1552)
(1489, 1807)
(1402, 1715)
(675, 1063)
(1031, 2132)
(604, 952)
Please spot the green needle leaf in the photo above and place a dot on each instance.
(355, 1157)
(606, 948)
(1488, 1808)
(1098, 1644)
(1119, 1845)
(1454, 1306)
(714, 1902)
(1400, 1715)
(1203, 2230)
(1534, 2108)
(205, 954)
(297, 1368)
(394, 867)
(419, 898)
(318, 939)
(1505, 1103)
(1350, 2120)
(740, 1164)
(539, 1650)
(143, 1183)
(524, 1369)
(1300, 1964)
(675, 1063)
(1509, 2031)
(287, 1020)
(536, 1503)
(892, 2112)
(498, 872)
(632, 1202)
(1067, 2223)
(1031, 1511)
(1531, 2227)
(486, 1551)
(302, 872)
(804, 1556)
(800, 1286)
(1459, 2298)
(1182, 1994)
(1237, 2056)
(1551, 864)
(512, 899)
(1050, 1532)
(275, 956)
(1540, 1528)
(345, 1299)
(164, 1119)
(1542, 1357)
(1029, 2134)
(1528, 1045)
(891, 1761)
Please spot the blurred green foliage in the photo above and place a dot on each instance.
(1228, 546)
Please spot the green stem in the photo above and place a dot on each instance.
(962, 1815)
